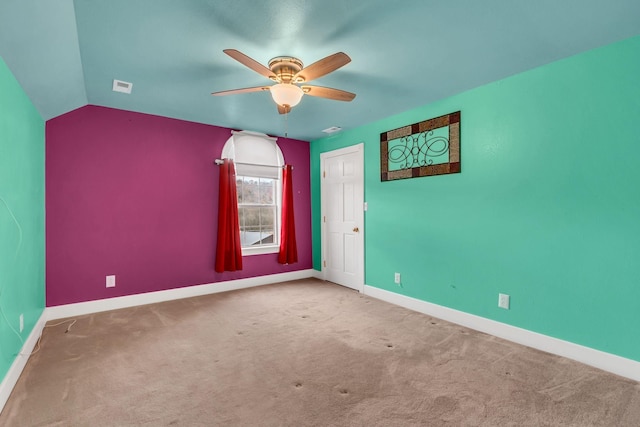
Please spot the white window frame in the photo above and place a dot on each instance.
(257, 155)
(275, 246)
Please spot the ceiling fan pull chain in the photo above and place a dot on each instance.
(286, 125)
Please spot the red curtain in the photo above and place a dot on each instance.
(288, 250)
(229, 248)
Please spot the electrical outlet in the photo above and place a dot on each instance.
(111, 281)
(503, 301)
(396, 278)
(21, 322)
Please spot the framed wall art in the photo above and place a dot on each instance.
(431, 147)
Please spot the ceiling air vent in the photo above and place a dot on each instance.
(120, 86)
(332, 129)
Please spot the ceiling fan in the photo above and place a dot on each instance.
(289, 74)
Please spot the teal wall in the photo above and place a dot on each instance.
(22, 197)
(546, 209)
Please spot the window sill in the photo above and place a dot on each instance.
(260, 250)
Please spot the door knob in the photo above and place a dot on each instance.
(356, 229)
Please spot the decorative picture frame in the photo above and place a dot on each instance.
(430, 147)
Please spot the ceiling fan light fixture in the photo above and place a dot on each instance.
(286, 94)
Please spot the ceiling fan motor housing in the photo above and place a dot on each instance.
(285, 67)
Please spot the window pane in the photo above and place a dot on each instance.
(251, 219)
(251, 190)
(241, 217)
(267, 216)
(266, 191)
(245, 239)
(267, 237)
(268, 221)
(243, 234)
(249, 226)
(239, 188)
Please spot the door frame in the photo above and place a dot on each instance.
(359, 149)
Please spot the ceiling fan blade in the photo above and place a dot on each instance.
(243, 90)
(323, 66)
(250, 63)
(329, 93)
(284, 109)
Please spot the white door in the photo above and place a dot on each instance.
(342, 186)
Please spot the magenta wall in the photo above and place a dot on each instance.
(135, 195)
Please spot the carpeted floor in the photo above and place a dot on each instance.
(303, 353)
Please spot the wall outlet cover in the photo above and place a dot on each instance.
(111, 281)
(503, 301)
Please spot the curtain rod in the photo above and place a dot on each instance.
(220, 161)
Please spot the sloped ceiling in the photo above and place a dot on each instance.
(405, 53)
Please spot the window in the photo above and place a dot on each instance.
(257, 209)
(258, 162)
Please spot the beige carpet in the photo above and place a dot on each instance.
(304, 353)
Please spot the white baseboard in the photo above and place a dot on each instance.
(318, 274)
(81, 308)
(606, 361)
(13, 374)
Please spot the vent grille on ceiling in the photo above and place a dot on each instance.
(120, 86)
(332, 129)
